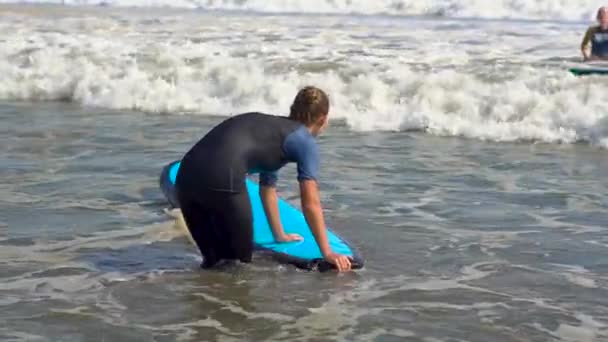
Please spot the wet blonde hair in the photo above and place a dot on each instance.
(310, 104)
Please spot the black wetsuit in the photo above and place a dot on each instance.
(598, 38)
(211, 186)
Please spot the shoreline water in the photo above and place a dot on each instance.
(453, 230)
(468, 170)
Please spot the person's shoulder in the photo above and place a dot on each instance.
(302, 137)
(593, 28)
(301, 147)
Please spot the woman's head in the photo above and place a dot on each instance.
(602, 17)
(310, 107)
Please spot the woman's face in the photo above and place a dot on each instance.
(603, 18)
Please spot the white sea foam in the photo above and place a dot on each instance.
(533, 9)
(427, 82)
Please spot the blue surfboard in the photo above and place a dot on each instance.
(303, 254)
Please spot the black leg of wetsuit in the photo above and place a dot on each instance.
(237, 223)
(221, 224)
(200, 222)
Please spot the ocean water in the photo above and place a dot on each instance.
(463, 161)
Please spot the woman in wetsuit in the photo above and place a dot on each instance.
(597, 36)
(211, 186)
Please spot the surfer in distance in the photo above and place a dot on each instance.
(597, 37)
(211, 185)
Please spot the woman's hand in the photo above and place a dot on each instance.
(289, 238)
(342, 262)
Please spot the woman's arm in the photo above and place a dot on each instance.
(313, 212)
(585, 44)
(270, 202)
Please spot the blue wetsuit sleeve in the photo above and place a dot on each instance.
(301, 147)
(268, 178)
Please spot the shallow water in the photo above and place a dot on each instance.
(463, 161)
(464, 240)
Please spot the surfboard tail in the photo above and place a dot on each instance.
(167, 185)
